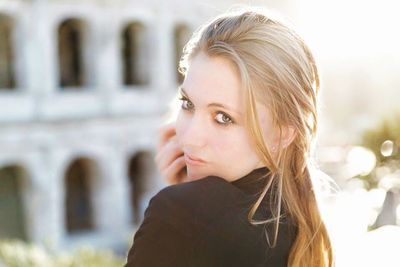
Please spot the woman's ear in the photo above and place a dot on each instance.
(287, 136)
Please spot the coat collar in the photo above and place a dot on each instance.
(253, 182)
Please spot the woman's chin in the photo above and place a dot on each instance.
(195, 176)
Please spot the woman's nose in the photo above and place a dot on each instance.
(195, 133)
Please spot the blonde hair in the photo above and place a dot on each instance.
(277, 69)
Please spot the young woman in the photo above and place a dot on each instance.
(241, 192)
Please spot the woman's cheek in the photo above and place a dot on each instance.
(224, 147)
(179, 127)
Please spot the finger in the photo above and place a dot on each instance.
(168, 154)
(166, 132)
(171, 173)
(182, 175)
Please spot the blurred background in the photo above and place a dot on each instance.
(84, 85)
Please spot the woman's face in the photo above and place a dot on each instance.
(210, 124)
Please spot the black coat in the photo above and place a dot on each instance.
(204, 223)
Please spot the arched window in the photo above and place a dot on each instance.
(12, 215)
(78, 195)
(7, 73)
(71, 34)
(141, 177)
(181, 35)
(134, 54)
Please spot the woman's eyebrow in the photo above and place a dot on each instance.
(183, 92)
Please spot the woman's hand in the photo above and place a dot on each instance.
(170, 159)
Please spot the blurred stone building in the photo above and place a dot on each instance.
(84, 86)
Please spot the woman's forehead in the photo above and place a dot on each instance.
(213, 80)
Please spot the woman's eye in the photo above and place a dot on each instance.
(185, 101)
(224, 119)
(221, 117)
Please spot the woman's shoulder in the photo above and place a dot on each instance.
(200, 198)
(209, 212)
(175, 216)
(203, 223)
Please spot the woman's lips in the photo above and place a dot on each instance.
(193, 160)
